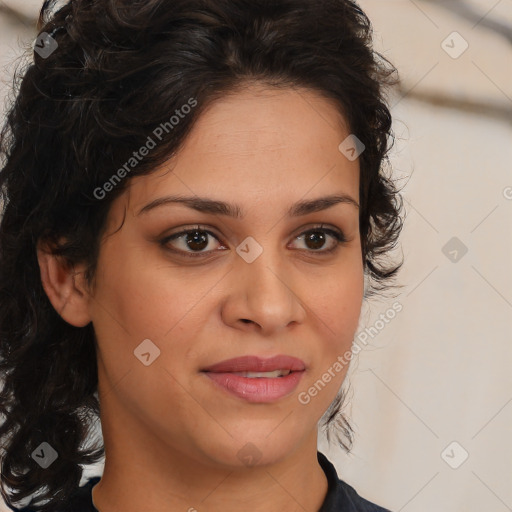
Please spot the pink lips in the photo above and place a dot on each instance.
(257, 389)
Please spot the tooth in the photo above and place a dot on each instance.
(252, 375)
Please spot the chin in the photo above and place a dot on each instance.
(258, 449)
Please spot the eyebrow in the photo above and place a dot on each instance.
(216, 207)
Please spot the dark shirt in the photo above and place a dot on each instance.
(341, 497)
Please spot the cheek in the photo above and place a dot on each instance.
(338, 310)
(338, 303)
(148, 299)
(137, 302)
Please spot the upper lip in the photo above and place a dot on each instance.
(257, 364)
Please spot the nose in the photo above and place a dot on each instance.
(263, 295)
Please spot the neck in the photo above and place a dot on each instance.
(151, 475)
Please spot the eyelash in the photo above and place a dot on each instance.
(337, 235)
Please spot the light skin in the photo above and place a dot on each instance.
(172, 438)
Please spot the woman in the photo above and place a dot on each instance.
(193, 196)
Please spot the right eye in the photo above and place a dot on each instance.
(193, 241)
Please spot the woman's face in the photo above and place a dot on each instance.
(262, 284)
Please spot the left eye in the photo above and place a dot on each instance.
(196, 240)
(317, 236)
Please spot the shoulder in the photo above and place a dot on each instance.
(358, 503)
(80, 501)
(342, 497)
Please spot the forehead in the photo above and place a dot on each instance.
(258, 143)
(258, 118)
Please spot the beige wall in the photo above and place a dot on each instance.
(438, 372)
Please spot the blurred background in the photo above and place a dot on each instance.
(431, 387)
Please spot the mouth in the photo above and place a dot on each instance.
(255, 379)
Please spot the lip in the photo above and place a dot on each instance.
(258, 389)
(258, 364)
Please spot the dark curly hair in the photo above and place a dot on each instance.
(120, 68)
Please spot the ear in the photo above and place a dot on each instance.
(65, 287)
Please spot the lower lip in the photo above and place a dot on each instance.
(258, 389)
